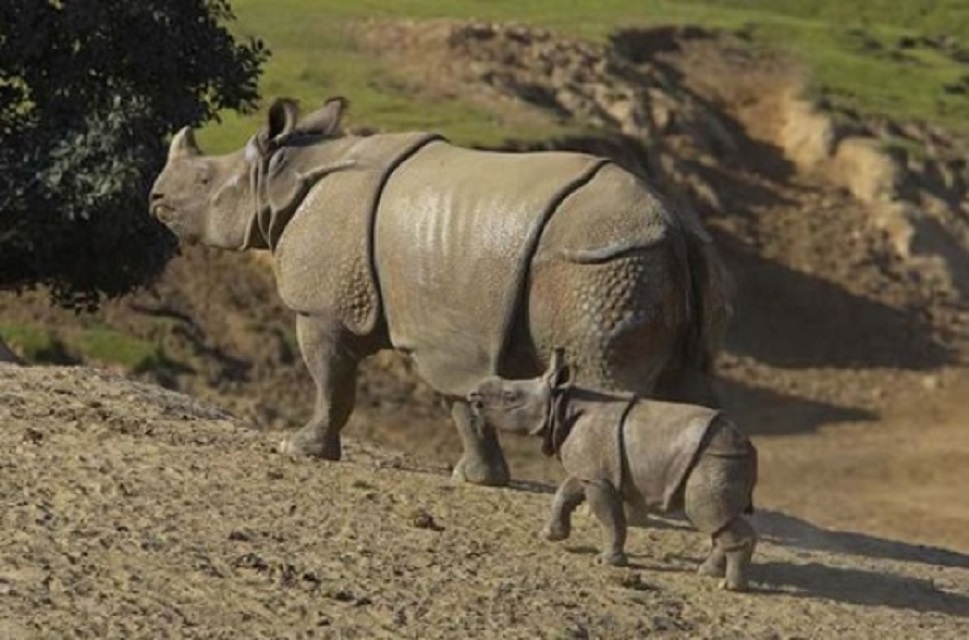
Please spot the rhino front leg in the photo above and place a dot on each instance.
(570, 495)
(607, 505)
(482, 461)
(333, 369)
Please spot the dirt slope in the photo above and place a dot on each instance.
(134, 512)
(846, 359)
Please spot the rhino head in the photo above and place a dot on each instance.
(519, 406)
(217, 200)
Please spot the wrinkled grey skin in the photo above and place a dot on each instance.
(628, 456)
(366, 235)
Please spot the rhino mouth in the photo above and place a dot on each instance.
(163, 212)
(169, 217)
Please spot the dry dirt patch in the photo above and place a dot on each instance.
(130, 511)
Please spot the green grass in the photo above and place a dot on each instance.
(313, 58)
(32, 342)
(105, 345)
(92, 343)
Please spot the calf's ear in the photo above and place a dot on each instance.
(475, 401)
(558, 369)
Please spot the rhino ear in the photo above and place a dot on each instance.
(281, 121)
(327, 119)
(558, 369)
(183, 145)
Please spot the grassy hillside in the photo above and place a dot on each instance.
(868, 55)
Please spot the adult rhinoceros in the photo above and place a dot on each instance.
(473, 263)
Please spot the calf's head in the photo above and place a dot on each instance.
(214, 199)
(518, 406)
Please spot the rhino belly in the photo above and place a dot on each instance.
(454, 234)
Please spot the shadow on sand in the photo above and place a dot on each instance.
(762, 411)
(853, 584)
(794, 532)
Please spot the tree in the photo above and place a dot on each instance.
(89, 89)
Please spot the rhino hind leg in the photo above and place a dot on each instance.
(607, 506)
(333, 370)
(715, 564)
(617, 320)
(736, 543)
(482, 462)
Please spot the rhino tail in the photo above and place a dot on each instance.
(753, 479)
(709, 293)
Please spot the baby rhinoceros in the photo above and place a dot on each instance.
(630, 456)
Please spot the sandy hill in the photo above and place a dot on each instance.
(130, 511)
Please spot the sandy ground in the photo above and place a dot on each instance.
(131, 511)
(134, 512)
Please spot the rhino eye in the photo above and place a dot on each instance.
(509, 396)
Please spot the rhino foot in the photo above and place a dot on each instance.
(556, 531)
(715, 565)
(480, 472)
(615, 559)
(300, 444)
(733, 585)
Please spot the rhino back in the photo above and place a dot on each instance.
(613, 214)
(454, 236)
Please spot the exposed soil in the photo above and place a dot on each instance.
(132, 511)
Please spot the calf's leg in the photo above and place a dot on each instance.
(736, 543)
(607, 506)
(570, 495)
(716, 563)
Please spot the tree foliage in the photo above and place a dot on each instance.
(89, 89)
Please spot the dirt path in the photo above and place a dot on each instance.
(133, 512)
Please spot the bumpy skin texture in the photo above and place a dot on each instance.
(473, 263)
(628, 456)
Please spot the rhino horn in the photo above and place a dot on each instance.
(184, 145)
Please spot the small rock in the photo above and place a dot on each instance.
(33, 436)
(634, 581)
(274, 474)
(241, 535)
(342, 595)
(422, 519)
(931, 383)
(5, 587)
